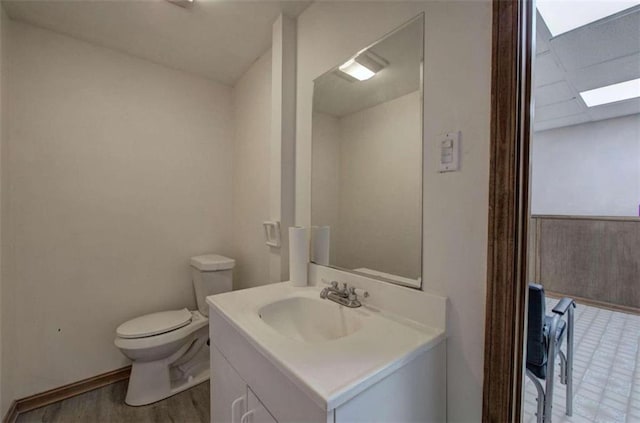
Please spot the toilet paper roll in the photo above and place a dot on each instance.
(298, 255)
(320, 238)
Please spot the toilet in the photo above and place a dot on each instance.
(169, 350)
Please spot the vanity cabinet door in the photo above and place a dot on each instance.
(256, 412)
(228, 391)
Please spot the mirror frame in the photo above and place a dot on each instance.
(419, 17)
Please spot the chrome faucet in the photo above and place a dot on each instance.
(347, 296)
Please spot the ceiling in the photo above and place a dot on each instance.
(601, 53)
(220, 39)
(217, 39)
(337, 96)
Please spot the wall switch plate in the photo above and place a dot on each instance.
(450, 152)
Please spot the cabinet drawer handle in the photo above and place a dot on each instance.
(233, 408)
(246, 416)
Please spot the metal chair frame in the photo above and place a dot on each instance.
(564, 307)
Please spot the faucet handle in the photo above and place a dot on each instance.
(324, 293)
(354, 292)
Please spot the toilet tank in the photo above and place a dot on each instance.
(211, 274)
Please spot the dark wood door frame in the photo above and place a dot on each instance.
(513, 29)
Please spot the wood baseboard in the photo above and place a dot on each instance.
(12, 413)
(63, 392)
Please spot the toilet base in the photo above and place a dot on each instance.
(156, 380)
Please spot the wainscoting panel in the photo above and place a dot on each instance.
(596, 258)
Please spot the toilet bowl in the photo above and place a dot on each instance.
(169, 349)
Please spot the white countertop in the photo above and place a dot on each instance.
(330, 372)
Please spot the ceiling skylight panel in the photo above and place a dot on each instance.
(564, 15)
(612, 93)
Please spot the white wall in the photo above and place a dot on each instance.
(591, 169)
(367, 171)
(96, 140)
(251, 161)
(381, 168)
(327, 141)
(3, 29)
(457, 97)
(282, 165)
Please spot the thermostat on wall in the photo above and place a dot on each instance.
(450, 152)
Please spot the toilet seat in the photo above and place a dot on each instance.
(196, 322)
(154, 324)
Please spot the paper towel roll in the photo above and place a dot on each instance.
(298, 255)
(320, 237)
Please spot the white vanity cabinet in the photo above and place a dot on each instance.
(247, 387)
(231, 398)
(228, 390)
(256, 412)
(239, 371)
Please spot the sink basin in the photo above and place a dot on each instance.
(310, 320)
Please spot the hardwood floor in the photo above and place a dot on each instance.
(107, 405)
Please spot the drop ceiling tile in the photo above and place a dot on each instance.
(547, 70)
(558, 110)
(607, 73)
(598, 42)
(561, 122)
(553, 93)
(542, 45)
(542, 35)
(621, 108)
(600, 54)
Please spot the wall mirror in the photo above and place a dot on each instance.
(366, 176)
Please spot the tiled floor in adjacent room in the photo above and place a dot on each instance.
(106, 405)
(606, 370)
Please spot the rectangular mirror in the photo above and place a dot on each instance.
(366, 176)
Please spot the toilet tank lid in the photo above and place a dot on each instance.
(212, 262)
